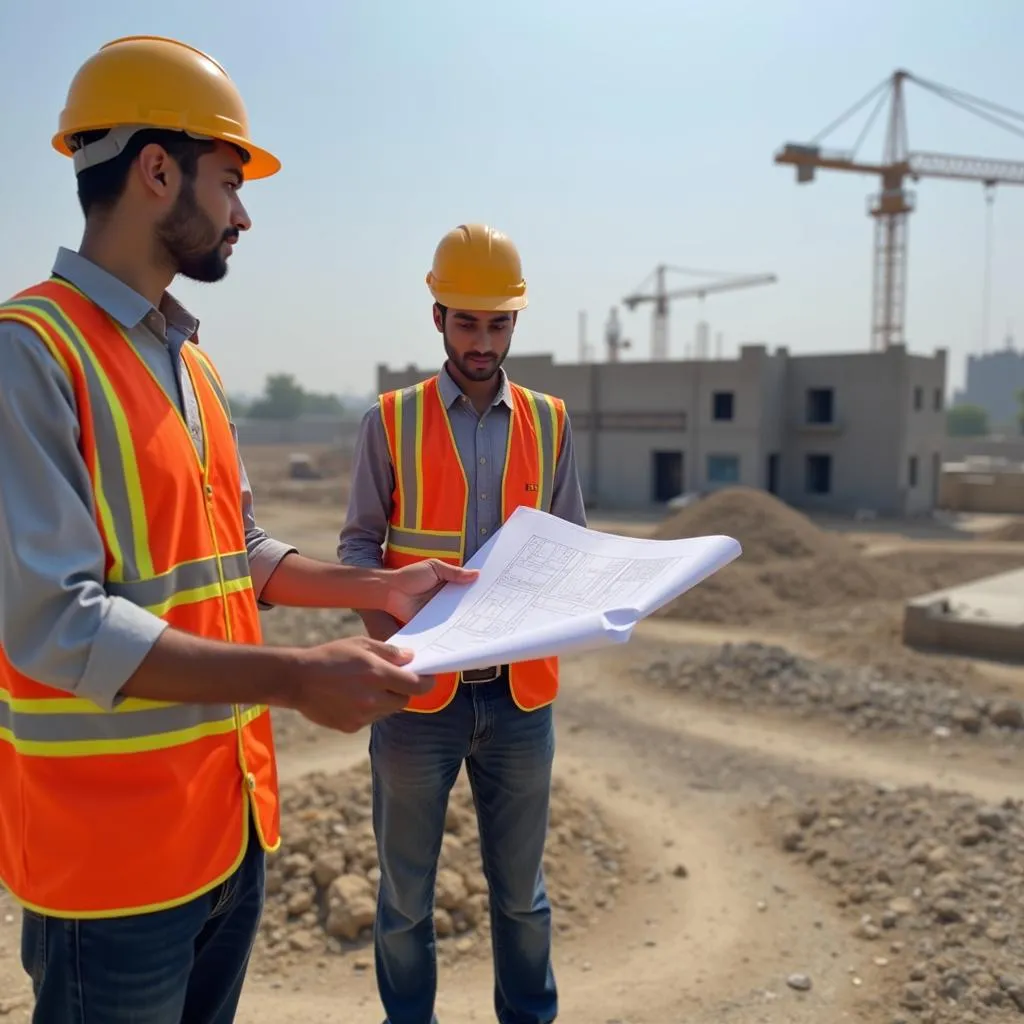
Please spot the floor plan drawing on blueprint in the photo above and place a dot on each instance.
(547, 586)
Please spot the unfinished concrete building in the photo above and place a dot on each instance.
(836, 433)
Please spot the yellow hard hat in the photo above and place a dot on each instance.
(152, 82)
(476, 267)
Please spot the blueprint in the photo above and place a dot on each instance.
(547, 587)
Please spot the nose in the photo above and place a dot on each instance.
(240, 218)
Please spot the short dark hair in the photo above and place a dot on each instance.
(101, 186)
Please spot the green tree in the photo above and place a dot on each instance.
(966, 421)
(322, 405)
(283, 399)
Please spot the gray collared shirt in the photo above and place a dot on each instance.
(58, 625)
(481, 441)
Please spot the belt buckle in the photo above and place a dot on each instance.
(481, 675)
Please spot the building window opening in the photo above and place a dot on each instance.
(820, 405)
(722, 405)
(723, 469)
(819, 474)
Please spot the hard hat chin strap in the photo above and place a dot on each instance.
(111, 145)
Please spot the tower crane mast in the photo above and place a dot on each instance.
(893, 203)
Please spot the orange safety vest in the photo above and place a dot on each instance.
(106, 814)
(431, 496)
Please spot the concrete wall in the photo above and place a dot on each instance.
(622, 414)
(863, 439)
(925, 431)
(965, 488)
(984, 618)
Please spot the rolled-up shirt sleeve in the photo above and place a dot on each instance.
(58, 625)
(265, 553)
(369, 504)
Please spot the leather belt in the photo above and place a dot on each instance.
(482, 675)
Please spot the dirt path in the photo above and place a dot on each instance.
(681, 946)
(682, 780)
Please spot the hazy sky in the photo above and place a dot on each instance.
(604, 137)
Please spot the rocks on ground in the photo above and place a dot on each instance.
(762, 676)
(934, 887)
(322, 883)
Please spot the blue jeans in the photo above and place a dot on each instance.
(415, 760)
(180, 966)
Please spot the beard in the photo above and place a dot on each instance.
(190, 239)
(468, 371)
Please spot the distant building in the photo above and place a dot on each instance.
(834, 433)
(992, 382)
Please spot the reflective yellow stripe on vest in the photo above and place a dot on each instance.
(118, 488)
(545, 421)
(408, 536)
(70, 727)
(186, 583)
(211, 377)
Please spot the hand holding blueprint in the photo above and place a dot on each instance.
(548, 587)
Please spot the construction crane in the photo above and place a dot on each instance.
(661, 297)
(893, 202)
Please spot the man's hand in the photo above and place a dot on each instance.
(412, 586)
(347, 684)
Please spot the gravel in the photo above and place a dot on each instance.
(322, 883)
(933, 884)
(757, 676)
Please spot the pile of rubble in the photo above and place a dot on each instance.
(322, 883)
(934, 886)
(761, 676)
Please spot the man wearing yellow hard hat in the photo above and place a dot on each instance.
(138, 785)
(439, 467)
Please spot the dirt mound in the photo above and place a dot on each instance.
(1013, 530)
(790, 565)
(767, 528)
(754, 594)
(787, 563)
(934, 885)
(321, 885)
(935, 570)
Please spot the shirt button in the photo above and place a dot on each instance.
(480, 425)
(483, 497)
(483, 461)
(250, 781)
(483, 529)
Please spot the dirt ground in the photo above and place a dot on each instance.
(785, 821)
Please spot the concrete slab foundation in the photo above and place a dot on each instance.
(982, 619)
